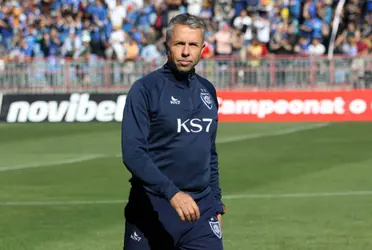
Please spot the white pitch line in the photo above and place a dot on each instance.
(226, 197)
(52, 163)
(59, 203)
(274, 133)
(297, 195)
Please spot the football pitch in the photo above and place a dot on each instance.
(287, 186)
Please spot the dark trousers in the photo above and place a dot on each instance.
(153, 224)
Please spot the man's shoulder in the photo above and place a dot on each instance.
(205, 80)
(206, 83)
(147, 82)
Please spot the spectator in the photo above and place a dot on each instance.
(206, 12)
(208, 51)
(223, 41)
(84, 51)
(223, 11)
(316, 48)
(302, 48)
(144, 18)
(116, 47)
(295, 9)
(149, 51)
(97, 33)
(325, 11)
(237, 41)
(117, 13)
(261, 25)
(256, 50)
(97, 10)
(281, 45)
(131, 49)
(130, 19)
(194, 7)
(244, 23)
(7, 31)
(174, 8)
(350, 47)
(43, 28)
(367, 25)
(351, 30)
(314, 27)
(161, 18)
(71, 45)
(353, 11)
(83, 54)
(239, 6)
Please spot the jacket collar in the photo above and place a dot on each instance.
(169, 71)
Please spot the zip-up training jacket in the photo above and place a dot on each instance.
(168, 135)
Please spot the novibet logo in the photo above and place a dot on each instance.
(79, 108)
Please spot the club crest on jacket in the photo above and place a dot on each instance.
(206, 98)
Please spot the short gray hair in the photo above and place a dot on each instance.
(193, 22)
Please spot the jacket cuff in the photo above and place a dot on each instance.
(171, 191)
(220, 209)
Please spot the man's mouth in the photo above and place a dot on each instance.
(184, 63)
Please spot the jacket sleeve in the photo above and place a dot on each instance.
(215, 176)
(135, 131)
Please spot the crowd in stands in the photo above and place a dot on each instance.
(131, 29)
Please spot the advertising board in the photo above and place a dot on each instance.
(234, 106)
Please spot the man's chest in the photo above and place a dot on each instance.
(185, 110)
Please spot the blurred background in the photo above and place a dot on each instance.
(62, 45)
(301, 182)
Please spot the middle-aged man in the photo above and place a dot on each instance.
(169, 130)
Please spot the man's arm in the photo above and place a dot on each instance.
(215, 176)
(135, 130)
(214, 180)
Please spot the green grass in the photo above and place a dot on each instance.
(328, 165)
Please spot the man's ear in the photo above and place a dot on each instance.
(166, 47)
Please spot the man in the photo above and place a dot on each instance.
(168, 144)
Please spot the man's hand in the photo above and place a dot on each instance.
(185, 206)
(219, 217)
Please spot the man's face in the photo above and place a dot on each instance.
(185, 47)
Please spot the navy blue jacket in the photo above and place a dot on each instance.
(168, 135)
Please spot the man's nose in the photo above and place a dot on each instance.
(186, 51)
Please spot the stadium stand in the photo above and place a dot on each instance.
(124, 31)
(120, 29)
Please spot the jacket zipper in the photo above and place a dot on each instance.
(190, 92)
